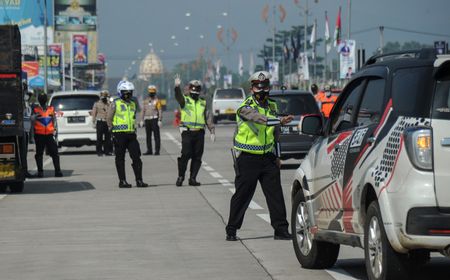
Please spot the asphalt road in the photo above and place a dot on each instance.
(82, 226)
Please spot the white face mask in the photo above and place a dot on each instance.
(328, 93)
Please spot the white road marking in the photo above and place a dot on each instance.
(208, 168)
(265, 217)
(339, 274)
(215, 174)
(225, 182)
(2, 196)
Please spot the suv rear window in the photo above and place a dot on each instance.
(441, 106)
(229, 94)
(411, 91)
(70, 103)
(296, 104)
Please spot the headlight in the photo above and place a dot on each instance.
(419, 145)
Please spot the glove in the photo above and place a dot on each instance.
(286, 120)
(177, 80)
(159, 124)
(141, 124)
(213, 137)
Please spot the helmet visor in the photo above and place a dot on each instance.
(195, 89)
(258, 87)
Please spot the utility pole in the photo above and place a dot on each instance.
(381, 39)
(273, 33)
(306, 26)
(349, 19)
(45, 49)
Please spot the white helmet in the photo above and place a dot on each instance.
(125, 86)
(151, 89)
(195, 86)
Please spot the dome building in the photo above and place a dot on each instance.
(150, 65)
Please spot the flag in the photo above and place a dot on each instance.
(327, 34)
(218, 62)
(286, 50)
(312, 39)
(251, 66)
(282, 13)
(241, 65)
(337, 30)
(293, 48)
(265, 13)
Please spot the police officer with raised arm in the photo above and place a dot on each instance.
(121, 121)
(192, 126)
(256, 143)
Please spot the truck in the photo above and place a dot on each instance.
(12, 132)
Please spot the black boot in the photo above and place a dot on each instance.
(40, 167)
(57, 166)
(137, 169)
(141, 184)
(58, 173)
(282, 235)
(195, 167)
(179, 182)
(193, 182)
(124, 184)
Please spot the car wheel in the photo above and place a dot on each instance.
(382, 261)
(310, 253)
(16, 187)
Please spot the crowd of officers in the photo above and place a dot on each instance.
(256, 147)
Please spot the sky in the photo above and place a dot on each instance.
(125, 27)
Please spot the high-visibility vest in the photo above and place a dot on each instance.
(252, 137)
(193, 113)
(43, 124)
(124, 117)
(327, 103)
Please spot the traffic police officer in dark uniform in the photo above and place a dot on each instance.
(192, 126)
(99, 113)
(121, 121)
(256, 143)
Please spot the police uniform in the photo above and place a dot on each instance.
(151, 115)
(256, 143)
(99, 115)
(44, 123)
(193, 121)
(121, 121)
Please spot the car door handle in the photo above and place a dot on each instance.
(445, 142)
(371, 140)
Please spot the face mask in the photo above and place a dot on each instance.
(195, 96)
(42, 99)
(105, 99)
(152, 95)
(328, 93)
(261, 96)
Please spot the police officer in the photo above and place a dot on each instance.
(121, 121)
(256, 143)
(99, 114)
(152, 116)
(193, 121)
(44, 123)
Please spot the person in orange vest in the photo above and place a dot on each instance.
(326, 101)
(44, 123)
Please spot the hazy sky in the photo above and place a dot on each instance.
(127, 26)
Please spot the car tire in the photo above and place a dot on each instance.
(16, 187)
(310, 253)
(382, 261)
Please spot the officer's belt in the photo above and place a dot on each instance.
(183, 128)
(101, 120)
(150, 117)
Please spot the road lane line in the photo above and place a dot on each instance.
(339, 274)
(225, 182)
(215, 174)
(208, 168)
(265, 217)
(2, 196)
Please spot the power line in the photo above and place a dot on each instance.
(417, 32)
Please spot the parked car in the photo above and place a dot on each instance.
(74, 120)
(225, 103)
(377, 177)
(293, 144)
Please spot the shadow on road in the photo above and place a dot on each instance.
(257, 237)
(77, 153)
(43, 186)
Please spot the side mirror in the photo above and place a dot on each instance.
(312, 125)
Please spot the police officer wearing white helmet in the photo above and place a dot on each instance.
(256, 143)
(121, 121)
(193, 121)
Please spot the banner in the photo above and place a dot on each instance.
(274, 71)
(347, 58)
(303, 67)
(80, 49)
(75, 15)
(28, 15)
(33, 65)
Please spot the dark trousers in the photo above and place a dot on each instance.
(123, 142)
(254, 168)
(151, 126)
(42, 142)
(104, 144)
(192, 145)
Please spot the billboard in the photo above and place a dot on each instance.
(80, 49)
(303, 67)
(33, 65)
(347, 58)
(29, 16)
(75, 15)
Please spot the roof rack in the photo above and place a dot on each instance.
(426, 53)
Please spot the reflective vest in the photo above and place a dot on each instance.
(193, 113)
(327, 103)
(43, 124)
(252, 137)
(124, 117)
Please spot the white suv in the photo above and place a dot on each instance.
(226, 102)
(73, 111)
(377, 176)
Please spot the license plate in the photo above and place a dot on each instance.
(7, 170)
(76, 119)
(229, 111)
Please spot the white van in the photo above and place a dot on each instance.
(73, 111)
(226, 102)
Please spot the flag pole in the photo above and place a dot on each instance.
(314, 50)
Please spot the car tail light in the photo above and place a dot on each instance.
(7, 149)
(419, 145)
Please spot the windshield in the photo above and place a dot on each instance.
(296, 104)
(229, 94)
(70, 103)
